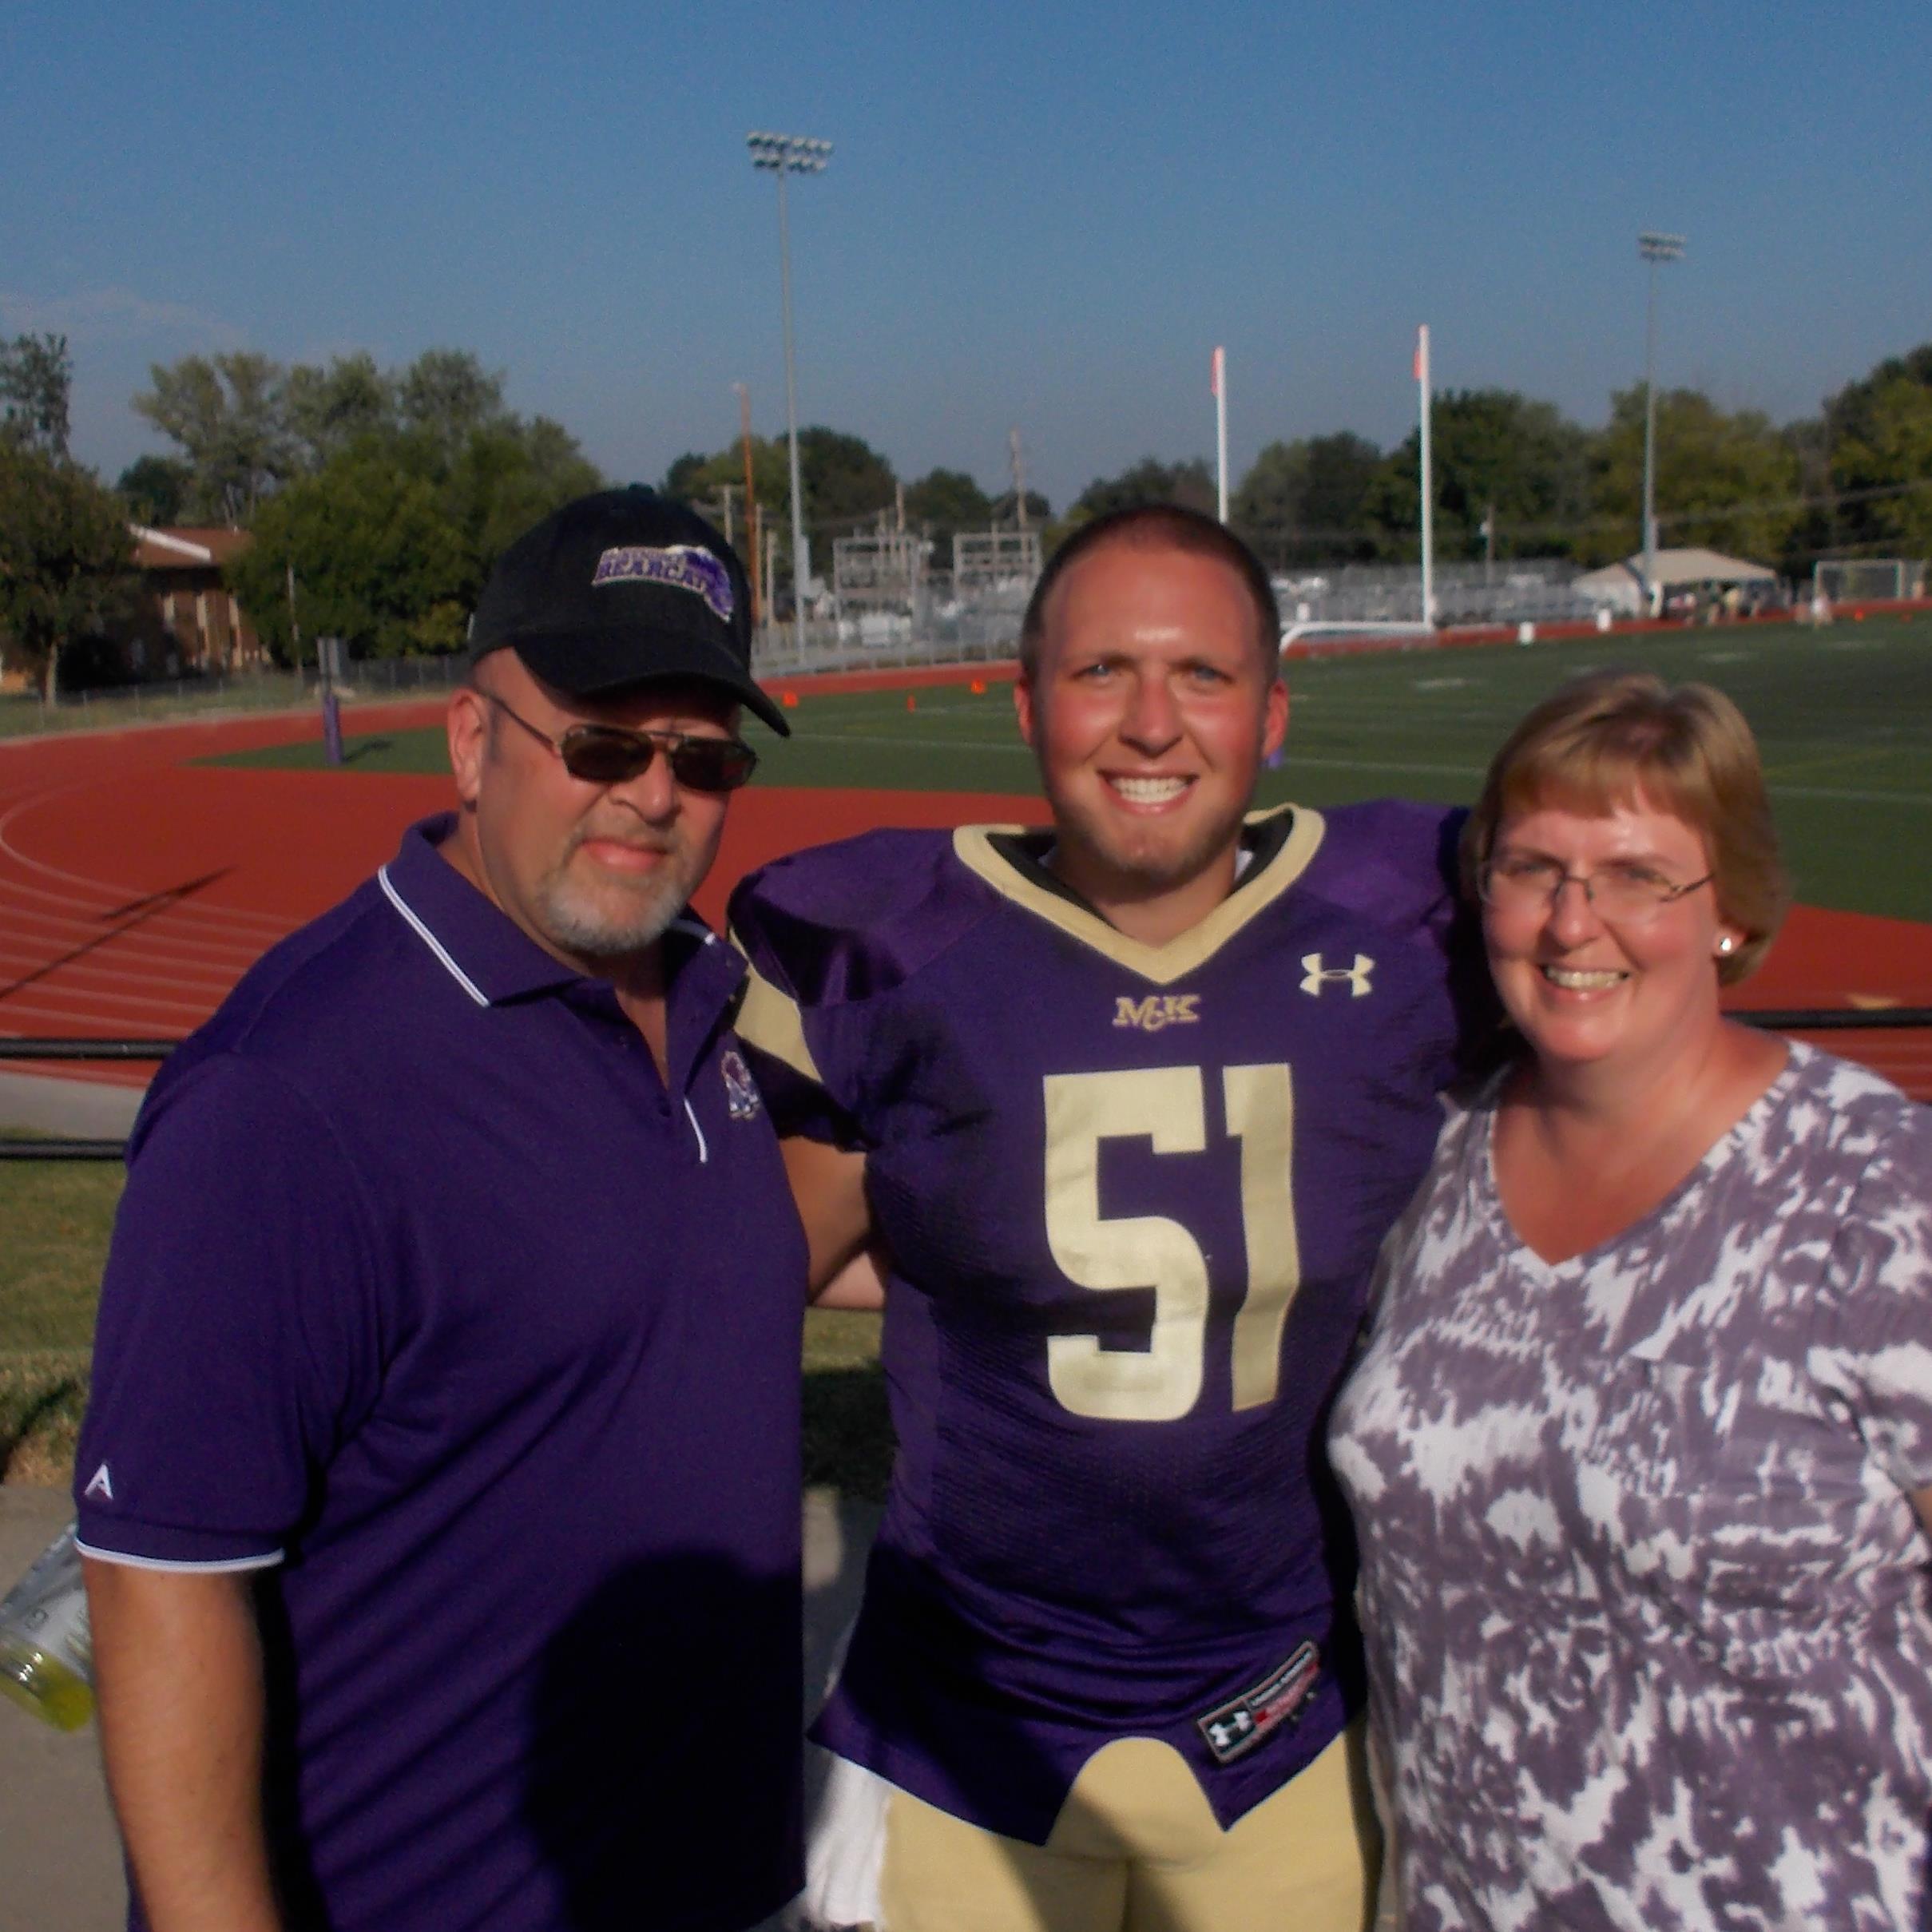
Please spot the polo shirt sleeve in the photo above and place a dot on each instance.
(1872, 1350)
(235, 1347)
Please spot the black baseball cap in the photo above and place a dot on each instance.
(623, 587)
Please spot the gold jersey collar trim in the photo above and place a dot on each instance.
(1161, 966)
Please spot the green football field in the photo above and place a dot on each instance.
(1843, 715)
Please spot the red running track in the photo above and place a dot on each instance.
(135, 887)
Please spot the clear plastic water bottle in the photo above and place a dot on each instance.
(46, 1652)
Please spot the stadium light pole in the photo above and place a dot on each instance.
(1653, 249)
(781, 155)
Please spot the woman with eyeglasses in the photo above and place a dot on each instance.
(1640, 1450)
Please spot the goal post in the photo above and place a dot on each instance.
(1866, 580)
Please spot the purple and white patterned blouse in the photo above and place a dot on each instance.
(1648, 1609)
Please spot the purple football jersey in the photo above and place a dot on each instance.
(1131, 1196)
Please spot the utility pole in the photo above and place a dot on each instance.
(1019, 476)
(750, 495)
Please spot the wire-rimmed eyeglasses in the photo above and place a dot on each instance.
(1624, 894)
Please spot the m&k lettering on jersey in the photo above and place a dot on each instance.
(1157, 1010)
(1316, 975)
(1233, 1729)
(683, 566)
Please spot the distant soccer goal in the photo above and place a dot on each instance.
(1867, 580)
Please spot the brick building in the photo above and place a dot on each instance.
(186, 619)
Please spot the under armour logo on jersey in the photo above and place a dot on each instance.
(741, 1100)
(1233, 1729)
(1157, 1010)
(101, 1484)
(1315, 976)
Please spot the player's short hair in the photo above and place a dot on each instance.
(1156, 526)
(1610, 737)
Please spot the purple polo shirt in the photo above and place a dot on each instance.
(430, 1302)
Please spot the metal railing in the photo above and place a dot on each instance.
(1780, 1019)
(56, 1148)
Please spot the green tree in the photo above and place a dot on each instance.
(445, 396)
(156, 488)
(66, 557)
(1878, 438)
(377, 559)
(1305, 502)
(506, 476)
(1149, 481)
(942, 503)
(1490, 450)
(1731, 482)
(327, 409)
(1039, 511)
(36, 388)
(701, 481)
(228, 416)
(844, 479)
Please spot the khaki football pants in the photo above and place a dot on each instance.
(1135, 1849)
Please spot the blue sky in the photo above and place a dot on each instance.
(1035, 215)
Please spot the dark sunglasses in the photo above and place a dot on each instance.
(609, 755)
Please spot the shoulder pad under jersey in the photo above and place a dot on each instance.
(843, 923)
(1391, 860)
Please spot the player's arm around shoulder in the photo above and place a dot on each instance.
(806, 1070)
(828, 1185)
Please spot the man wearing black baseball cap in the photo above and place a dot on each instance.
(440, 1484)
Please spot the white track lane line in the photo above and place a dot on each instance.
(126, 893)
(35, 922)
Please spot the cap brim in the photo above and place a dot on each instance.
(591, 664)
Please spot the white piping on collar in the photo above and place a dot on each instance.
(696, 929)
(430, 939)
(703, 1152)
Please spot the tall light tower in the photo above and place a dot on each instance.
(783, 154)
(1653, 249)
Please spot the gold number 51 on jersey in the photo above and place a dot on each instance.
(1167, 1106)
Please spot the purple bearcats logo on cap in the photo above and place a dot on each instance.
(683, 566)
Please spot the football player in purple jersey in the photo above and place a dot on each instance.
(1128, 1105)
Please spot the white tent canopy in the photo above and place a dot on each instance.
(1621, 586)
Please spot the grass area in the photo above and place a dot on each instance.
(57, 1216)
(1843, 715)
(23, 716)
(848, 1435)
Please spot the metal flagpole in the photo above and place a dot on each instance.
(1218, 382)
(1421, 380)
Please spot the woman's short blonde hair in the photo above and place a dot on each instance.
(1610, 737)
